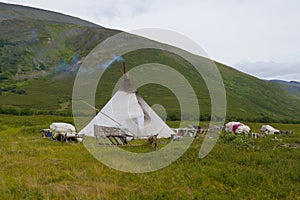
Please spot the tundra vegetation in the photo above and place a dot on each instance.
(40, 54)
(237, 168)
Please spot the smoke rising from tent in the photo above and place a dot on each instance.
(110, 62)
(68, 66)
(102, 66)
(119, 59)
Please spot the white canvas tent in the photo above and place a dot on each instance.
(129, 112)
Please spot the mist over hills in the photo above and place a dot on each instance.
(41, 51)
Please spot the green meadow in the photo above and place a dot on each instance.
(32, 167)
(38, 65)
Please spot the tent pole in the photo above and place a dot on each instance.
(124, 71)
(110, 118)
(90, 105)
(102, 113)
(115, 121)
(124, 68)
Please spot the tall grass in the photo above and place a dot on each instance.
(35, 168)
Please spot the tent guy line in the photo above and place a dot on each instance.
(120, 125)
(101, 112)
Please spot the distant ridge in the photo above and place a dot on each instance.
(282, 81)
(292, 87)
(11, 11)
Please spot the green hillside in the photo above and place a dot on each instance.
(39, 58)
(9, 11)
(33, 47)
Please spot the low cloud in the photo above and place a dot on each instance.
(271, 70)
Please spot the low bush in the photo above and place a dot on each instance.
(239, 141)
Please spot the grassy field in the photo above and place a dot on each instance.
(35, 168)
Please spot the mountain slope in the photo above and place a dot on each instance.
(40, 57)
(9, 11)
(291, 87)
(30, 47)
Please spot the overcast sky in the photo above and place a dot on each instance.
(259, 37)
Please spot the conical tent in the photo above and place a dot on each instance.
(128, 111)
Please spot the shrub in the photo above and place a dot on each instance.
(239, 141)
(21, 92)
(9, 110)
(173, 117)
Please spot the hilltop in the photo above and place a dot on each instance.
(40, 54)
(10, 11)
